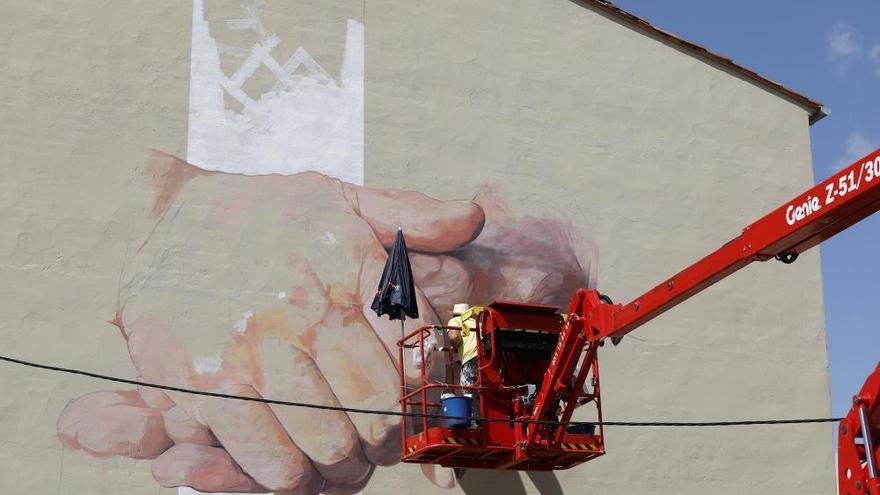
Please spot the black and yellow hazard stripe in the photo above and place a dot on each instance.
(461, 441)
(578, 446)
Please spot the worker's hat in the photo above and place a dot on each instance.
(460, 308)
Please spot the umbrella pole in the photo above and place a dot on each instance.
(402, 367)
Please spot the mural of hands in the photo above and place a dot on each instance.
(261, 286)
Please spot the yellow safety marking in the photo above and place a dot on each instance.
(412, 449)
(461, 441)
(578, 446)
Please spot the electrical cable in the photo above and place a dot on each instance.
(412, 415)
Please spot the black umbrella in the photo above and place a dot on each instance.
(396, 296)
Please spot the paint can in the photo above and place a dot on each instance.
(457, 410)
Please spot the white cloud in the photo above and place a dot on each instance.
(847, 48)
(844, 41)
(857, 146)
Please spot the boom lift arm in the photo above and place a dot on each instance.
(805, 221)
(563, 352)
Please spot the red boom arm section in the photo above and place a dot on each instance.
(857, 436)
(856, 442)
(536, 366)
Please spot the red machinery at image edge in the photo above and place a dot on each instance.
(534, 362)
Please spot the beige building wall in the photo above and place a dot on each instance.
(595, 153)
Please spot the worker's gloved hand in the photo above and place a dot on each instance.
(261, 286)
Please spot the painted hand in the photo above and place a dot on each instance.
(261, 286)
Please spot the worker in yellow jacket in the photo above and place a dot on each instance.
(465, 341)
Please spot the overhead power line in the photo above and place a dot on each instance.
(355, 410)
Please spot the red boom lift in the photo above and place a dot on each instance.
(534, 362)
(856, 454)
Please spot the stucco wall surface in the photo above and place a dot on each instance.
(527, 149)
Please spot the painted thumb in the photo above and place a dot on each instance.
(430, 225)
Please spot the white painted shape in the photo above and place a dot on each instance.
(241, 325)
(207, 365)
(307, 121)
(282, 295)
(328, 239)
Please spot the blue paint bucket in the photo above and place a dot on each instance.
(457, 410)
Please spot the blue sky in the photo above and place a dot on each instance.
(831, 52)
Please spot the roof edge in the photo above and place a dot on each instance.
(817, 110)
